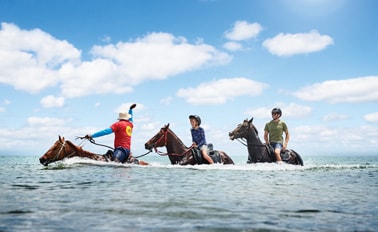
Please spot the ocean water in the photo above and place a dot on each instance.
(329, 193)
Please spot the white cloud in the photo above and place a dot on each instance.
(361, 89)
(117, 68)
(39, 134)
(232, 46)
(158, 56)
(243, 30)
(99, 76)
(291, 110)
(219, 91)
(334, 117)
(166, 101)
(52, 102)
(372, 117)
(291, 44)
(2, 109)
(29, 59)
(32, 60)
(323, 138)
(45, 122)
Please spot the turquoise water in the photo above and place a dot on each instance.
(329, 193)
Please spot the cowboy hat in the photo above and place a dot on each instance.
(124, 116)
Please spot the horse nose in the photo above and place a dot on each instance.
(231, 135)
(43, 161)
(147, 146)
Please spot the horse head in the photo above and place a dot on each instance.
(160, 139)
(177, 152)
(60, 150)
(242, 130)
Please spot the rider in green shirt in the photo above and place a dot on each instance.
(273, 132)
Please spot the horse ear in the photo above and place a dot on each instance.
(250, 121)
(166, 126)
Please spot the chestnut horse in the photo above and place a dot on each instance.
(257, 151)
(178, 153)
(65, 149)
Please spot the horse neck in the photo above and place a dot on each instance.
(255, 146)
(175, 145)
(79, 151)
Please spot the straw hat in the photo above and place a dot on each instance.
(124, 116)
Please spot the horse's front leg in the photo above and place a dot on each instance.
(187, 161)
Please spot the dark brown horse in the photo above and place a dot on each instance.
(257, 151)
(178, 153)
(65, 149)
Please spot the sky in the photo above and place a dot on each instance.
(69, 67)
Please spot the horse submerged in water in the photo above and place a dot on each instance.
(66, 149)
(178, 153)
(257, 151)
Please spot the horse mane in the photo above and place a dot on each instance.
(177, 138)
(80, 150)
(254, 128)
(256, 131)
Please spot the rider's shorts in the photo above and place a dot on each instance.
(276, 145)
(203, 147)
(121, 154)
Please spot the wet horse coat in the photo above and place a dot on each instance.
(259, 152)
(66, 149)
(178, 153)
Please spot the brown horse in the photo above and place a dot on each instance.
(257, 151)
(178, 153)
(65, 149)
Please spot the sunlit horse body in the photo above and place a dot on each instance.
(178, 153)
(66, 149)
(257, 151)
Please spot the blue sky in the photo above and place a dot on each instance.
(68, 67)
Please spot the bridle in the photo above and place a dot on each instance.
(165, 136)
(62, 148)
(245, 142)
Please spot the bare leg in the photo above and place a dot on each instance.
(207, 157)
(278, 156)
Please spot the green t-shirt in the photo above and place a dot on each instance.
(275, 130)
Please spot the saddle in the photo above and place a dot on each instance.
(214, 154)
(109, 157)
(285, 155)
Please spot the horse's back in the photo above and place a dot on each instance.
(294, 157)
(226, 159)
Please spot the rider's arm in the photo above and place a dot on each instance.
(102, 133)
(131, 113)
(266, 137)
(287, 137)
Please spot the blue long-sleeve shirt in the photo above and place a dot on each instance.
(198, 136)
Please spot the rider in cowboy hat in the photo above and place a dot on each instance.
(122, 130)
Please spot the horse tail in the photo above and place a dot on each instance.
(298, 157)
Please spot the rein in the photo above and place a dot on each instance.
(246, 143)
(165, 135)
(94, 142)
(103, 145)
(62, 148)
